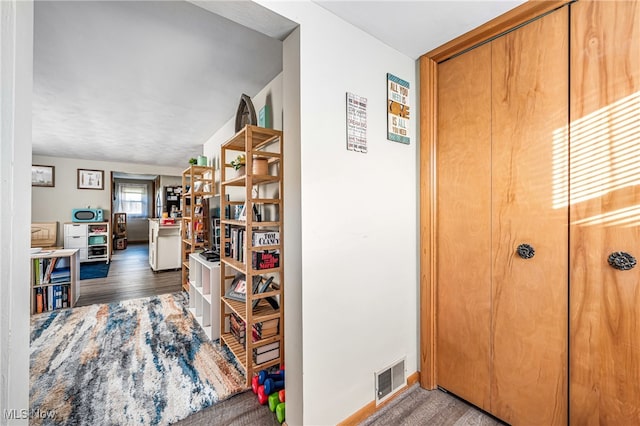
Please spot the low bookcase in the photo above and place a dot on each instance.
(54, 280)
(204, 294)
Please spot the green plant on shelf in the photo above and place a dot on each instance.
(238, 162)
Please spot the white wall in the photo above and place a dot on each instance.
(285, 106)
(292, 228)
(359, 225)
(171, 180)
(16, 73)
(271, 93)
(55, 204)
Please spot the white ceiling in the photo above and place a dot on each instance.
(417, 27)
(144, 82)
(148, 82)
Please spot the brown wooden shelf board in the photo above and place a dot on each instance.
(238, 266)
(262, 312)
(238, 350)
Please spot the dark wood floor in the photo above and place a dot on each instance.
(130, 277)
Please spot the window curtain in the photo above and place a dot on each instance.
(132, 199)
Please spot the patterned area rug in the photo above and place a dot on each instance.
(138, 362)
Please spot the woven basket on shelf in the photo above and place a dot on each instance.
(260, 166)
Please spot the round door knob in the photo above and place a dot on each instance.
(622, 261)
(525, 251)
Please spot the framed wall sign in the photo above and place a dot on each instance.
(43, 176)
(356, 123)
(397, 109)
(90, 179)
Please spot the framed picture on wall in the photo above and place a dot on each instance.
(43, 176)
(90, 179)
(398, 116)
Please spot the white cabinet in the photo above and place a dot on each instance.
(204, 294)
(91, 239)
(164, 246)
(75, 237)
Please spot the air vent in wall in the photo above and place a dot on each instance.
(389, 380)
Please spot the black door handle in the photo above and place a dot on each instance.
(622, 261)
(525, 251)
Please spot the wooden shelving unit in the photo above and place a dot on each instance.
(119, 231)
(197, 187)
(262, 196)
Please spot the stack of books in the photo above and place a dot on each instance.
(266, 353)
(261, 330)
(265, 329)
(237, 327)
(51, 298)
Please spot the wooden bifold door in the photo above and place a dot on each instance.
(497, 149)
(604, 178)
(537, 213)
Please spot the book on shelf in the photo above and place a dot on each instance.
(60, 275)
(259, 331)
(258, 335)
(266, 348)
(257, 216)
(57, 304)
(51, 298)
(50, 268)
(263, 357)
(267, 325)
(265, 238)
(65, 297)
(36, 271)
(50, 271)
(238, 212)
(39, 297)
(237, 324)
(237, 328)
(238, 288)
(265, 259)
(237, 241)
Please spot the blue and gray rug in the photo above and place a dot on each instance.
(138, 362)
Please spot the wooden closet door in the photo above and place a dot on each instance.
(529, 198)
(605, 212)
(464, 225)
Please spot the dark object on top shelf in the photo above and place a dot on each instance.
(246, 114)
(210, 255)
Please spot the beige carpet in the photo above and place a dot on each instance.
(239, 410)
(414, 407)
(417, 406)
